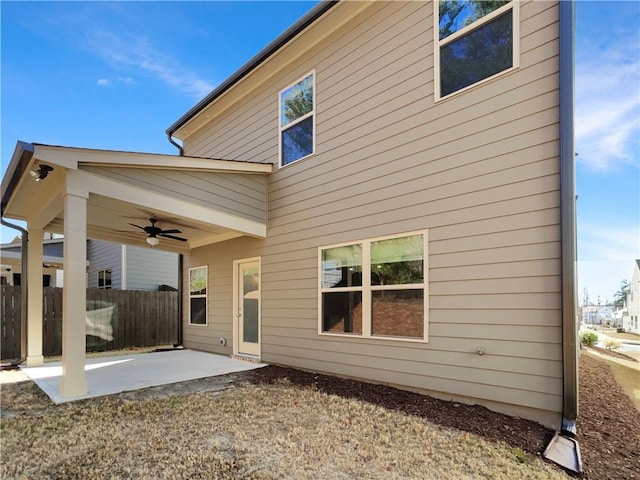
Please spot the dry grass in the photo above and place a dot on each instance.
(250, 431)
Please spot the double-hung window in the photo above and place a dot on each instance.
(375, 288)
(475, 40)
(198, 295)
(104, 278)
(297, 120)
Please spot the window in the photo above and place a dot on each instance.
(104, 278)
(375, 288)
(475, 40)
(198, 295)
(297, 120)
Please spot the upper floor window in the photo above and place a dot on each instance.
(375, 288)
(297, 120)
(104, 278)
(475, 40)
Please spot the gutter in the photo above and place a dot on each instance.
(563, 448)
(316, 12)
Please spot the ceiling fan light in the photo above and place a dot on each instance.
(153, 241)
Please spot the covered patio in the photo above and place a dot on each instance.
(122, 373)
(114, 196)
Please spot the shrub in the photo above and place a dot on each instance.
(588, 339)
(611, 344)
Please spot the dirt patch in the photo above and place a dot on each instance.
(613, 353)
(525, 434)
(264, 430)
(217, 428)
(609, 425)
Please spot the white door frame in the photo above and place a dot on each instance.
(237, 314)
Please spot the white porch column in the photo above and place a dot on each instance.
(74, 295)
(34, 309)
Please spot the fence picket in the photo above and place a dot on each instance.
(116, 319)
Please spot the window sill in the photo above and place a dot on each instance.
(375, 337)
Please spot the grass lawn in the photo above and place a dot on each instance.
(252, 431)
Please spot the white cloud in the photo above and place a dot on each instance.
(608, 106)
(136, 54)
(104, 82)
(606, 255)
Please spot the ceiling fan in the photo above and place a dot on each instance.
(154, 232)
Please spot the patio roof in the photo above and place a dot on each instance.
(118, 194)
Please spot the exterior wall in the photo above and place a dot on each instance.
(207, 189)
(632, 320)
(597, 314)
(147, 269)
(480, 170)
(102, 255)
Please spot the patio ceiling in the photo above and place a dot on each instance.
(116, 199)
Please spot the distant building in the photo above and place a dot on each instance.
(631, 318)
(109, 265)
(597, 314)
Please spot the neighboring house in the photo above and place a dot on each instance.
(125, 267)
(631, 320)
(109, 265)
(11, 260)
(597, 314)
(387, 208)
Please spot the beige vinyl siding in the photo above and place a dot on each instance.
(241, 194)
(479, 170)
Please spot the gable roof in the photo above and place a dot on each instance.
(320, 9)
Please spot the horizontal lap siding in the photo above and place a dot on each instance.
(479, 170)
(241, 194)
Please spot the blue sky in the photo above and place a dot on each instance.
(115, 75)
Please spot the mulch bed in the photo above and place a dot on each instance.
(608, 427)
(612, 353)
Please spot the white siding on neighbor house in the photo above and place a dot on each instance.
(101, 256)
(147, 269)
(480, 170)
(241, 194)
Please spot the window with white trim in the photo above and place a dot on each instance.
(104, 278)
(297, 120)
(375, 288)
(475, 40)
(198, 295)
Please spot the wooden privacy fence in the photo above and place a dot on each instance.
(116, 319)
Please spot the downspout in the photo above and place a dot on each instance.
(568, 220)
(24, 301)
(175, 144)
(180, 291)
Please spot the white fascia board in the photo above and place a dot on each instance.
(72, 158)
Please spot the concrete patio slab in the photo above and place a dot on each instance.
(109, 375)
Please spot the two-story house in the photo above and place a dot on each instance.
(385, 192)
(109, 265)
(631, 318)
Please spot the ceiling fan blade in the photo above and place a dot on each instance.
(172, 237)
(138, 226)
(171, 231)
